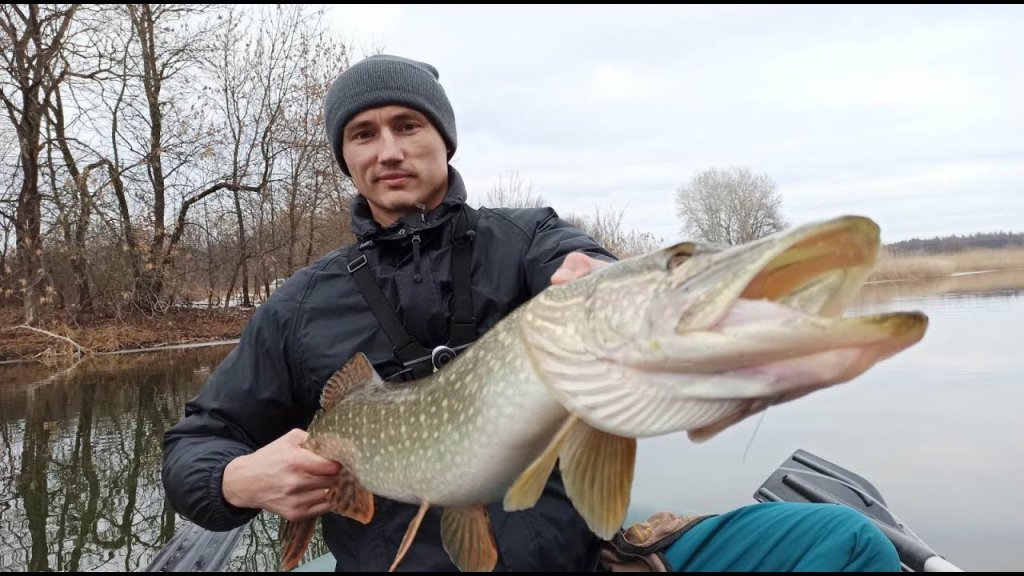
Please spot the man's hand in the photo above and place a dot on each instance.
(281, 478)
(576, 265)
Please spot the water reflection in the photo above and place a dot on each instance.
(82, 460)
(80, 474)
(81, 452)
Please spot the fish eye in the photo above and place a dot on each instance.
(678, 254)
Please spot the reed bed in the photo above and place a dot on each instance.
(919, 266)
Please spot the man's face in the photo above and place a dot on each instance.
(397, 160)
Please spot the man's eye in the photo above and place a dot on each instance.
(360, 135)
(408, 126)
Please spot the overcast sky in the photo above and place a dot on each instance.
(911, 115)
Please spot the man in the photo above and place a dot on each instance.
(411, 284)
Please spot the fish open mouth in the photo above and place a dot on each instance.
(815, 269)
(784, 297)
(821, 271)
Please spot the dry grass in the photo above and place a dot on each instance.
(917, 266)
(107, 334)
(1001, 282)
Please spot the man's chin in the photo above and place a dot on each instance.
(410, 202)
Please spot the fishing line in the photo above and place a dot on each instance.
(764, 414)
(859, 491)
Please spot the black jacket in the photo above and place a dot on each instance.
(271, 382)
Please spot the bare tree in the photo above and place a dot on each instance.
(8, 203)
(311, 171)
(236, 68)
(164, 54)
(511, 191)
(605, 226)
(133, 135)
(74, 214)
(729, 206)
(31, 43)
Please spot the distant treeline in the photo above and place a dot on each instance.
(957, 243)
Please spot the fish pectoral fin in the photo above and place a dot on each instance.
(467, 537)
(348, 497)
(526, 490)
(295, 538)
(410, 534)
(355, 373)
(597, 469)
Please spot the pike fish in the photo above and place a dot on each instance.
(690, 338)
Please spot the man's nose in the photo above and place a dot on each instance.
(390, 149)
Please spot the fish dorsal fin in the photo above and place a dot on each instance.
(597, 468)
(527, 489)
(348, 497)
(295, 538)
(467, 537)
(355, 373)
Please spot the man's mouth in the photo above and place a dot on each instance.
(394, 177)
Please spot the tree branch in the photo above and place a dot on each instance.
(179, 226)
(79, 350)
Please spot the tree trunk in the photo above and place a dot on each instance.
(150, 285)
(77, 229)
(243, 255)
(30, 69)
(29, 243)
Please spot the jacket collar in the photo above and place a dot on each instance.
(366, 228)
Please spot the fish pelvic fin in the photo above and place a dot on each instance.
(355, 373)
(410, 534)
(527, 489)
(348, 497)
(295, 538)
(467, 537)
(747, 408)
(597, 469)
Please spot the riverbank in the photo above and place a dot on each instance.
(110, 334)
(194, 325)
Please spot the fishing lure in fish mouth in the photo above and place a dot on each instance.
(690, 338)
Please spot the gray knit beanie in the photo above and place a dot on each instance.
(382, 80)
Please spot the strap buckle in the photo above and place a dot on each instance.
(357, 263)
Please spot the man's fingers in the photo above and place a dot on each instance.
(317, 482)
(317, 465)
(576, 265)
(319, 509)
(295, 436)
(572, 268)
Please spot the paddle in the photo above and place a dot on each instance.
(193, 549)
(804, 477)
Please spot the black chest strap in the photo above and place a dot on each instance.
(462, 328)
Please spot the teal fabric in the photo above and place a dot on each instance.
(784, 537)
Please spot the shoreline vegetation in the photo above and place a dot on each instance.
(899, 266)
(59, 343)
